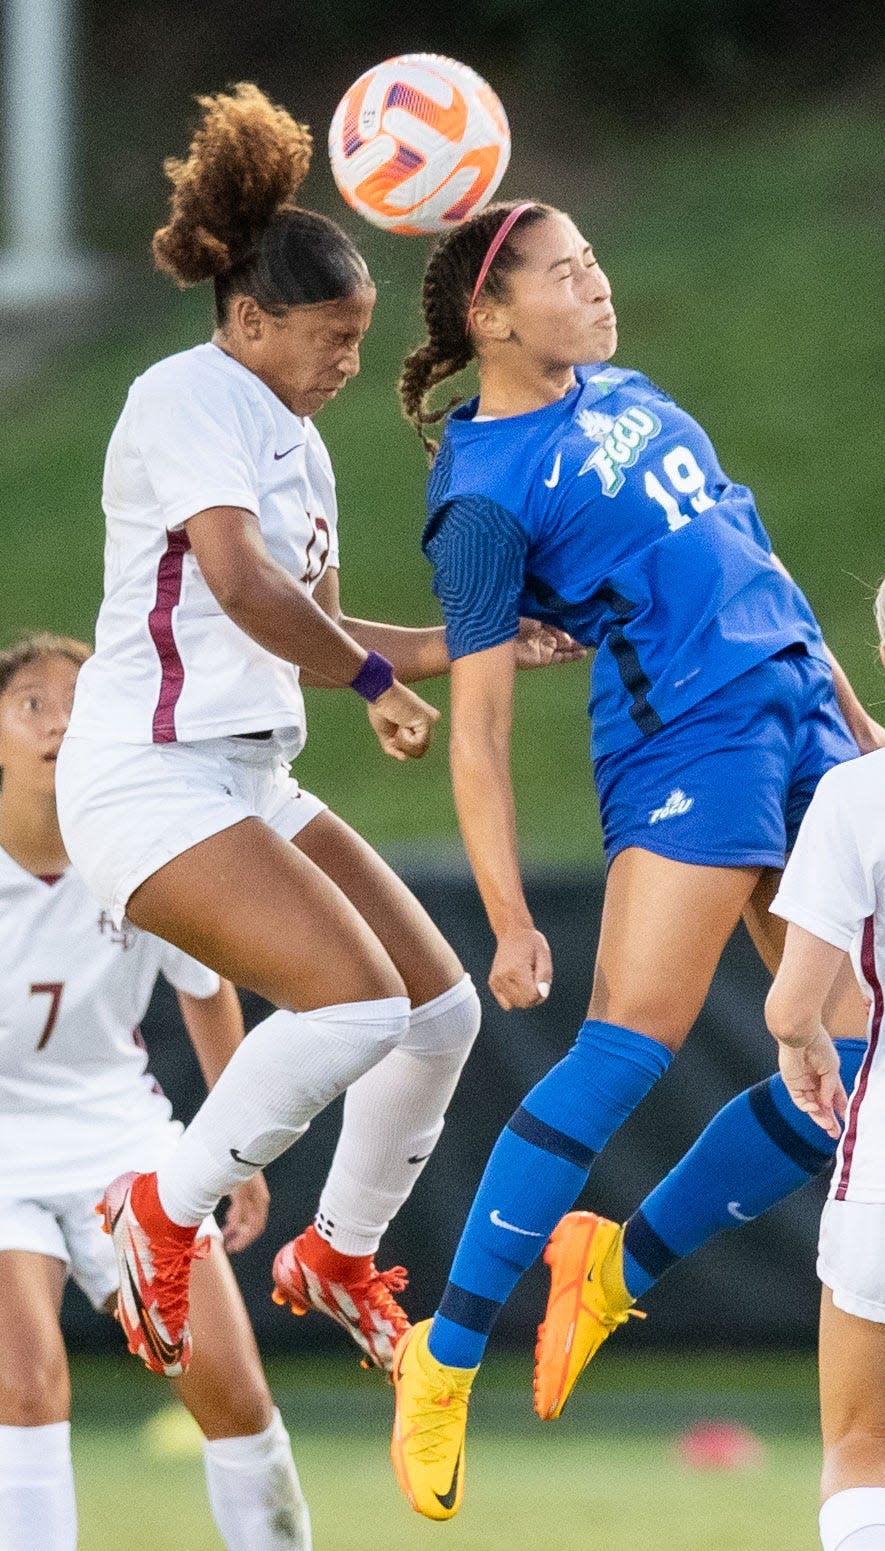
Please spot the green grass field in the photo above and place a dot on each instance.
(745, 270)
(607, 1476)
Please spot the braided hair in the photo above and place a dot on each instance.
(449, 280)
(233, 217)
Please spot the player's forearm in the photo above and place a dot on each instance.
(487, 816)
(215, 1028)
(283, 618)
(416, 653)
(795, 1004)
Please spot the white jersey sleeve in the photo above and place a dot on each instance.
(832, 880)
(187, 974)
(199, 451)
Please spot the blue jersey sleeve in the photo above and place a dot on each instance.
(478, 553)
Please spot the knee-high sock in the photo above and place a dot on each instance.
(393, 1117)
(288, 1069)
(754, 1152)
(37, 1508)
(254, 1491)
(854, 1520)
(537, 1168)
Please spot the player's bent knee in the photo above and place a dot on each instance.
(669, 1026)
(34, 1394)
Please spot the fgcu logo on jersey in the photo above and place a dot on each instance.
(628, 438)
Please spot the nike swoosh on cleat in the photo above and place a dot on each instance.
(553, 481)
(447, 1499)
(424, 1156)
(168, 1352)
(238, 1158)
(499, 1222)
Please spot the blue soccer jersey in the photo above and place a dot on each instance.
(607, 513)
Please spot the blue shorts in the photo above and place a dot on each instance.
(728, 783)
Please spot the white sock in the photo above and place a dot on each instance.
(854, 1520)
(37, 1507)
(393, 1118)
(288, 1069)
(255, 1493)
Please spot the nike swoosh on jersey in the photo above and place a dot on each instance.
(734, 1208)
(446, 1499)
(553, 481)
(238, 1158)
(278, 455)
(499, 1222)
(421, 1159)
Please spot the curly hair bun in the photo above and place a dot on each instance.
(245, 162)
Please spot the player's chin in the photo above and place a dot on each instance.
(606, 342)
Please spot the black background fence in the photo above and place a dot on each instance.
(753, 1286)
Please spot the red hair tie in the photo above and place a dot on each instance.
(501, 234)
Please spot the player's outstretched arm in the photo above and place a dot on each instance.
(808, 1059)
(263, 599)
(420, 653)
(482, 713)
(215, 1027)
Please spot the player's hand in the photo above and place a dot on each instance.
(403, 722)
(539, 646)
(522, 970)
(811, 1074)
(247, 1212)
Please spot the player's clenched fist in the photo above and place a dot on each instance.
(403, 722)
(522, 969)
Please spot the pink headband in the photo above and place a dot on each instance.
(506, 226)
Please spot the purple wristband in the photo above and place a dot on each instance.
(374, 677)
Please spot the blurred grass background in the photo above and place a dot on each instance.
(609, 1474)
(745, 271)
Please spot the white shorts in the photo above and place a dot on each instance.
(851, 1257)
(127, 809)
(66, 1226)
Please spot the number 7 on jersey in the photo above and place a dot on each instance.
(52, 989)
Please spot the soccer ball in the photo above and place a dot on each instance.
(418, 143)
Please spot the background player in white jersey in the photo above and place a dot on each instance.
(832, 894)
(174, 793)
(77, 1105)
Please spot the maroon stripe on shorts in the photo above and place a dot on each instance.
(169, 573)
(870, 974)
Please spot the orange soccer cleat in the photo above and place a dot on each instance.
(309, 1274)
(587, 1301)
(154, 1264)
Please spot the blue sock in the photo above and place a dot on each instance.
(756, 1151)
(538, 1167)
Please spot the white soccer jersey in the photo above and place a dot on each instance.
(199, 430)
(834, 886)
(74, 1089)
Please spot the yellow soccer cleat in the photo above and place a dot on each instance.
(587, 1301)
(427, 1447)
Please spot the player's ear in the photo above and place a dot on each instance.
(491, 322)
(245, 313)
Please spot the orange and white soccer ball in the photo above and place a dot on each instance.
(419, 143)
